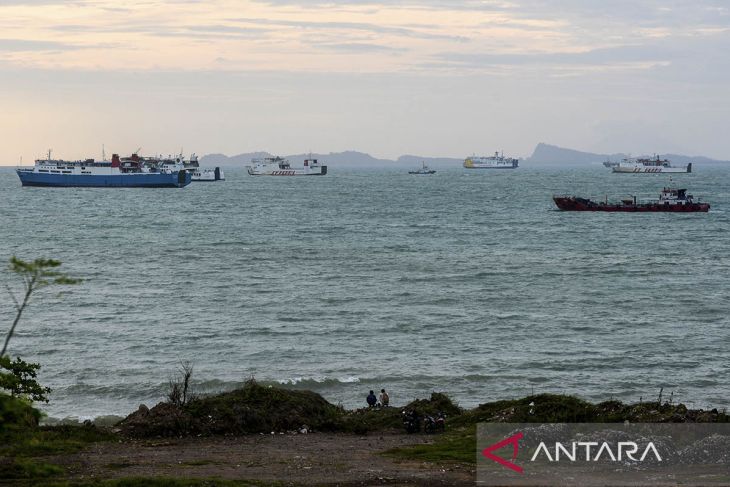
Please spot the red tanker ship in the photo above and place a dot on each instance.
(670, 199)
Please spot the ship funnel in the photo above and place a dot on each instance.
(115, 160)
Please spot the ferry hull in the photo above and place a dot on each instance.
(134, 180)
(490, 167)
(208, 176)
(567, 203)
(289, 172)
(651, 170)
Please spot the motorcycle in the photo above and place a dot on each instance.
(411, 421)
(432, 424)
(441, 421)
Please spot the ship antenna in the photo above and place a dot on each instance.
(103, 153)
(49, 154)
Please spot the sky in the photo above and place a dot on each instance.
(423, 77)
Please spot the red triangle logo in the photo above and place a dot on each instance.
(512, 440)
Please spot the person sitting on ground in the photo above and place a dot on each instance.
(384, 398)
(372, 400)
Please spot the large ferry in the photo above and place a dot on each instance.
(278, 166)
(496, 161)
(670, 200)
(128, 172)
(646, 165)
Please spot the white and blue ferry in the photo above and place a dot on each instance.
(128, 172)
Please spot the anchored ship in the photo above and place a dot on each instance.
(423, 170)
(203, 173)
(670, 200)
(646, 165)
(278, 166)
(127, 172)
(496, 161)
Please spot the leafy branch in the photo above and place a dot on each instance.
(34, 275)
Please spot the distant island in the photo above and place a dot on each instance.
(544, 154)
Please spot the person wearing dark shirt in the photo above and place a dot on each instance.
(371, 399)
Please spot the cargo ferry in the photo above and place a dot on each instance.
(492, 162)
(670, 200)
(128, 172)
(648, 166)
(278, 166)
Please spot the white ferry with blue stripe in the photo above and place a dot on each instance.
(128, 172)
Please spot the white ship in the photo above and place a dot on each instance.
(278, 166)
(203, 173)
(645, 165)
(491, 162)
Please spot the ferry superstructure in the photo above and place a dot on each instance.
(128, 172)
(278, 166)
(496, 161)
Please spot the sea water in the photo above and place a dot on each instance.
(465, 282)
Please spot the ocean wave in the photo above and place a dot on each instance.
(317, 381)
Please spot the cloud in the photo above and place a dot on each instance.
(21, 45)
(355, 47)
(549, 67)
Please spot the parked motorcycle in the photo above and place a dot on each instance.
(411, 421)
(431, 424)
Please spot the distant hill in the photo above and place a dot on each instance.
(552, 154)
(416, 161)
(333, 159)
(542, 155)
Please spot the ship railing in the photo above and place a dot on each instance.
(617, 198)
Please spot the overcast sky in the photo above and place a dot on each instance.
(426, 77)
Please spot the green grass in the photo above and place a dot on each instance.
(19, 447)
(455, 446)
(201, 462)
(51, 440)
(166, 482)
(19, 468)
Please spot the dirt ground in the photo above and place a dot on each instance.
(302, 459)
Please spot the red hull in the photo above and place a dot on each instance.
(571, 203)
